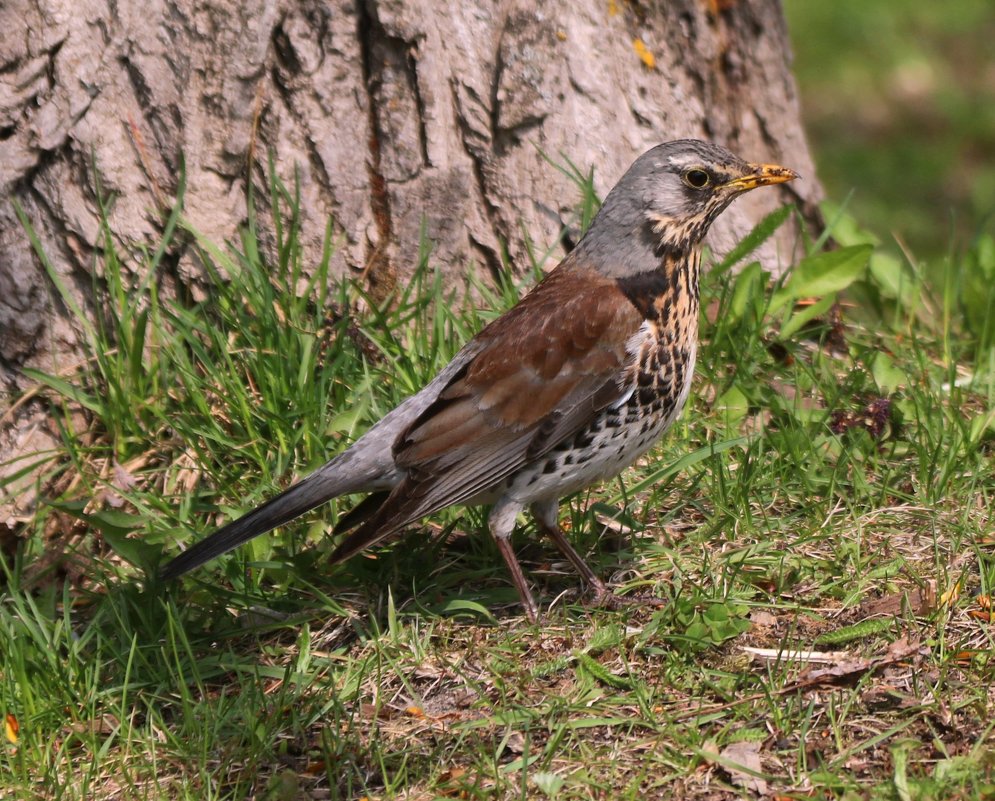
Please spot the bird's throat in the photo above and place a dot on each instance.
(668, 295)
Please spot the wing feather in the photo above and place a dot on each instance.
(540, 374)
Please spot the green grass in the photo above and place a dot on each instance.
(835, 457)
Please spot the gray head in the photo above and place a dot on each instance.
(666, 201)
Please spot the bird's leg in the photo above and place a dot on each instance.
(546, 514)
(518, 578)
(502, 522)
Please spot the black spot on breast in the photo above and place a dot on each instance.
(583, 440)
(647, 396)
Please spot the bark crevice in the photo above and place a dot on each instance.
(377, 267)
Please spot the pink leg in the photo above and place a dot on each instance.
(502, 522)
(545, 513)
(518, 579)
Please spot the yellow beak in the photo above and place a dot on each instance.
(761, 175)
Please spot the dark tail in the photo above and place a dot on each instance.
(313, 491)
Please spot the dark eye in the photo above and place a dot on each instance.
(698, 179)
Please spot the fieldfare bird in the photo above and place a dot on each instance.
(565, 389)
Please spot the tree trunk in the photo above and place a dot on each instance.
(402, 117)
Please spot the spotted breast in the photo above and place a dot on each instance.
(656, 383)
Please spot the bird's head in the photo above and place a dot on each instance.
(668, 198)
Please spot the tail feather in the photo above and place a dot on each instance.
(313, 491)
(378, 517)
(367, 466)
(361, 512)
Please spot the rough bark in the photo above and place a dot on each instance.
(401, 116)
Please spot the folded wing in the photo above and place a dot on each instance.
(542, 372)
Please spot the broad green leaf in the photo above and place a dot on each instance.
(699, 631)
(114, 527)
(805, 315)
(886, 375)
(596, 723)
(133, 550)
(458, 606)
(716, 613)
(822, 274)
(734, 404)
(895, 280)
(346, 421)
(519, 764)
(749, 284)
(108, 519)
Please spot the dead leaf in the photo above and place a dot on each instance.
(105, 724)
(899, 650)
(515, 743)
(950, 596)
(11, 727)
(451, 778)
(763, 618)
(886, 696)
(452, 773)
(920, 601)
(965, 658)
(742, 761)
(123, 479)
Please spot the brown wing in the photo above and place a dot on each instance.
(545, 368)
